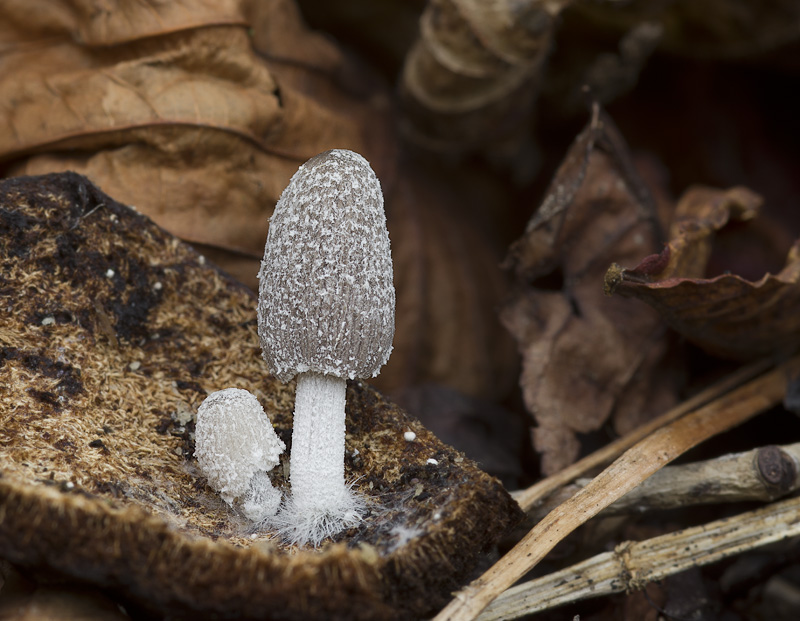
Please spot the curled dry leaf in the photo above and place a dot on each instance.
(726, 315)
(584, 359)
(471, 73)
(474, 73)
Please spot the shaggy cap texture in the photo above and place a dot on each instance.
(326, 292)
(234, 441)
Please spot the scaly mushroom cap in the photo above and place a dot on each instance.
(234, 440)
(326, 296)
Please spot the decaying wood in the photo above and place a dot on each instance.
(627, 472)
(764, 474)
(532, 496)
(632, 565)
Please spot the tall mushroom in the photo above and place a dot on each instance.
(325, 314)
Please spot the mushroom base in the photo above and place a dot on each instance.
(297, 525)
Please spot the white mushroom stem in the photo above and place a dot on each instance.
(317, 457)
(321, 504)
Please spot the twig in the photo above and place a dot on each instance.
(632, 565)
(528, 498)
(762, 474)
(628, 471)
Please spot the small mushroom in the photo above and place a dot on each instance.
(325, 314)
(235, 446)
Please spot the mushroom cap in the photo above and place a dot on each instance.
(326, 293)
(234, 440)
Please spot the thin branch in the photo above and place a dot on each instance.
(763, 474)
(632, 565)
(634, 466)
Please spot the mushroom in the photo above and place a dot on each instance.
(325, 314)
(235, 446)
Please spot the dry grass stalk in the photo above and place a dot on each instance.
(632, 565)
(627, 472)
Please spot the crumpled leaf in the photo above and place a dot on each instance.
(585, 359)
(727, 315)
(196, 112)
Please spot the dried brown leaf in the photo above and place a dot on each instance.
(115, 22)
(726, 315)
(178, 108)
(582, 355)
